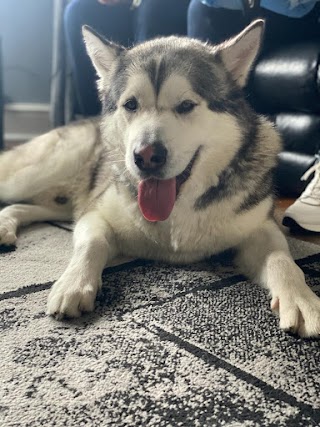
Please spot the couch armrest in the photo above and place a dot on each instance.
(287, 79)
(300, 132)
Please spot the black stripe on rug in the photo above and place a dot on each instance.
(26, 290)
(309, 259)
(212, 360)
(67, 226)
(219, 284)
(34, 288)
(215, 286)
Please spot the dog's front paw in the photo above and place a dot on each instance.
(71, 296)
(298, 314)
(7, 234)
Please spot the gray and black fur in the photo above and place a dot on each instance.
(177, 168)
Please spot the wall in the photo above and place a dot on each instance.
(26, 33)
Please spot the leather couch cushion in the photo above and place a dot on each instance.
(287, 79)
(300, 132)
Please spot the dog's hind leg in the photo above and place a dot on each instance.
(28, 169)
(47, 161)
(265, 258)
(17, 215)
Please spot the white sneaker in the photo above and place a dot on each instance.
(305, 211)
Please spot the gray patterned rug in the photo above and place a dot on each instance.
(166, 346)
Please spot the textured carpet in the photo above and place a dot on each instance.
(166, 346)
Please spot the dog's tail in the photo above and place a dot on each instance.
(46, 160)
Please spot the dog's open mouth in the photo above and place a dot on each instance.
(156, 197)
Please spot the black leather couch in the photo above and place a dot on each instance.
(285, 86)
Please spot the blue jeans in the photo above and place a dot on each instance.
(218, 24)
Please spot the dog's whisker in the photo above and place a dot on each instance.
(115, 161)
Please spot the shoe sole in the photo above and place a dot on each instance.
(293, 225)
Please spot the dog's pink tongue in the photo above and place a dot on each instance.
(156, 198)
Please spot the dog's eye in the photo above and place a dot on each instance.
(131, 105)
(185, 107)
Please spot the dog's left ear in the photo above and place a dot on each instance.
(102, 52)
(238, 54)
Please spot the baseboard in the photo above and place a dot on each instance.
(23, 121)
(27, 106)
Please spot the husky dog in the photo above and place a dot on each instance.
(177, 168)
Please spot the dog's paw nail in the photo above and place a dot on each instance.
(300, 315)
(58, 316)
(274, 304)
(290, 329)
(70, 304)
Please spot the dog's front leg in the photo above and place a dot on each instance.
(94, 246)
(265, 258)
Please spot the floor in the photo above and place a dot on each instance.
(281, 205)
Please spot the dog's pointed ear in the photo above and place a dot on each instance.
(239, 53)
(102, 52)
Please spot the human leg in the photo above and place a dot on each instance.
(113, 22)
(161, 18)
(281, 29)
(214, 24)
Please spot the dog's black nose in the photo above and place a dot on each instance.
(151, 158)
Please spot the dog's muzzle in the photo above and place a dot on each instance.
(156, 197)
(151, 158)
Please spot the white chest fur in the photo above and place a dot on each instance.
(188, 234)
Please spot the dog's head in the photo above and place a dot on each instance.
(168, 102)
